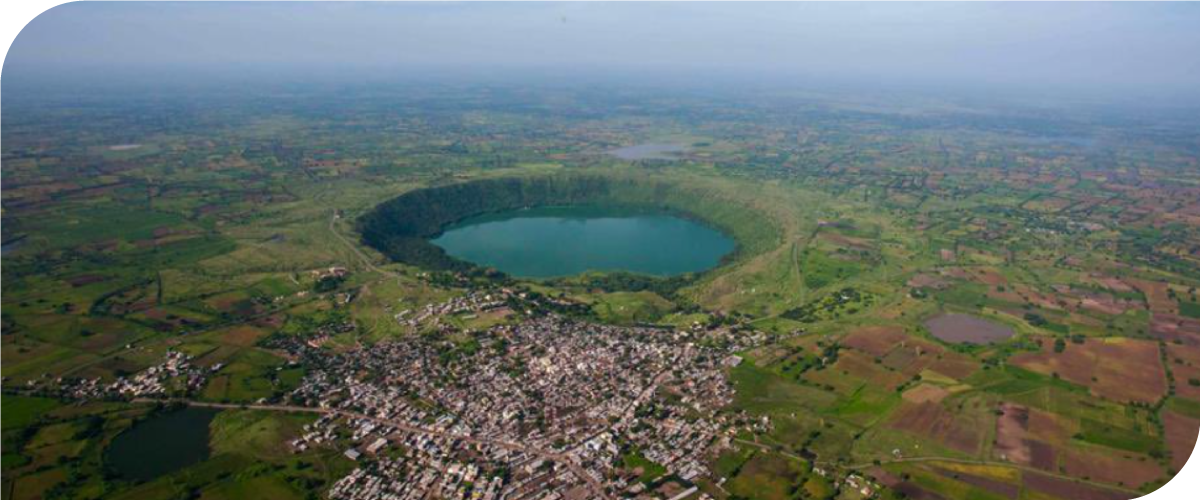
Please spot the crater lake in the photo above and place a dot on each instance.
(548, 242)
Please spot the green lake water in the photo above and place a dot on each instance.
(561, 241)
(162, 444)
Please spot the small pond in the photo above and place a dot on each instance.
(162, 444)
(651, 151)
(966, 329)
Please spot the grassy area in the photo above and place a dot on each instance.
(648, 470)
(1189, 309)
(770, 476)
(761, 391)
(249, 456)
(1119, 437)
(21, 411)
(631, 307)
(208, 237)
(259, 434)
(248, 376)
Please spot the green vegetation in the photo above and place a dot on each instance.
(649, 471)
(822, 269)
(21, 411)
(1189, 309)
(856, 218)
(840, 303)
(247, 376)
(399, 228)
(1118, 437)
(769, 476)
(249, 454)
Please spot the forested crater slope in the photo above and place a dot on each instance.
(401, 228)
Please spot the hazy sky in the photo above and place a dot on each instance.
(1093, 46)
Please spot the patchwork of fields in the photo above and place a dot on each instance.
(1069, 366)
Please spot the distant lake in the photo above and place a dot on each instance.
(162, 444)
(650, 151)
(563, 241)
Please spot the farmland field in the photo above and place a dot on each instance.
(938, 294)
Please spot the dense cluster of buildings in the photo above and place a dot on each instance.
(548, 408)
(175, 375)
(475, 301)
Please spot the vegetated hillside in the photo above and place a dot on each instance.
(400, 228)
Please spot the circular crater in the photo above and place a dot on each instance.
(553, 226)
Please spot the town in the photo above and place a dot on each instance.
(546, 408)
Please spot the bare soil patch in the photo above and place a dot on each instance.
(1156, 295)
(244, 336)
(1063, 488)
(1112, 468)
(928, 281)
(1173, 327)
(955, 365)
(875, 340)
(1029, 437)
(1185, 365)
(1011, 427)
(860, 366)
(1008, 490)
(1181, 433)
(1119, 369)
(925, 393)
(933, 421)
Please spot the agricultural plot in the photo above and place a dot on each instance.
(1123, 370)
(963, 431)
(919, 279)
(1180, 436)
(772, 477)
(247, 376)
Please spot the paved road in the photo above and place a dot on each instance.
(593, 484)
(630, 409)
(170, 339)
(363, 257)
(153, 339)
(686, 493)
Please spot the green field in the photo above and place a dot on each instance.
(856, 217)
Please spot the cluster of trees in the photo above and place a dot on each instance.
(400, 228)
(630, 282)
(328, 283)
(847, 300)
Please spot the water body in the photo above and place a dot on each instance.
(165, 443)
(562, 241)
(651, 151)
(966, 329)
